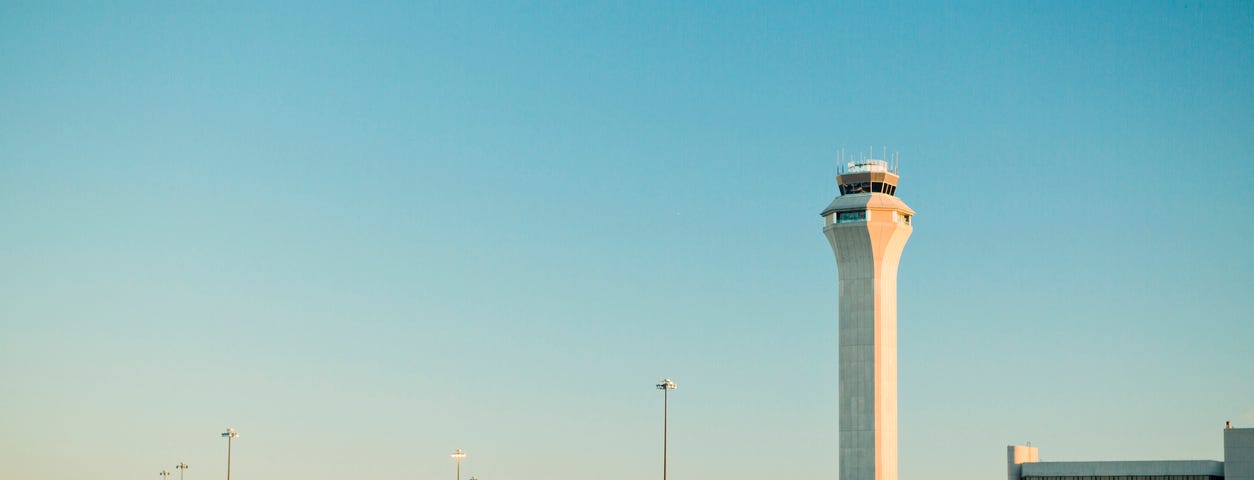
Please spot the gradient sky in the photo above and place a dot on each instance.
(365, 235)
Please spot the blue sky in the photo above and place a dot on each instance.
(365, 235)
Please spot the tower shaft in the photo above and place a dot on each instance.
(868, 231)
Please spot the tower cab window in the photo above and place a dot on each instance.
(847, 217)
(868, 187)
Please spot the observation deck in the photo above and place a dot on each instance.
(868, 176)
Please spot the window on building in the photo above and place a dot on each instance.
(868, 187)
(847, 217)
(861, 187)
(1122, 477)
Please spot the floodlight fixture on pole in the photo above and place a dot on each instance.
(165, 474)
(230, 433)
(181, 466)
(665, 385)
(457, 455)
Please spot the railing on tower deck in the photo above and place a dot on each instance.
(866, 166)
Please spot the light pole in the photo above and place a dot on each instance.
(164, 474)
(181, 466)
(457, 455)
(230, 433)
(665, 386)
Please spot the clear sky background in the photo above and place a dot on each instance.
(367, 234)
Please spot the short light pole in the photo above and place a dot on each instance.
(164, 474)
(457, 455)
(230, 433)
(181, 466)
(666, 385)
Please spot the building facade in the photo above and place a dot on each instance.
(1022, 463)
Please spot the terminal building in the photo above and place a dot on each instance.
(1023, 463)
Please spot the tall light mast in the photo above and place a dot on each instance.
(229, 434)
(665, 385)
(458, 455)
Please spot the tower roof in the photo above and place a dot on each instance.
(867, 201)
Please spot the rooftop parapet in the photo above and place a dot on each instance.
(866, 166)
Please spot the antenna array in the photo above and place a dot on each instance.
(846, 160)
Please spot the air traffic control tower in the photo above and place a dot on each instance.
(868, 227)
